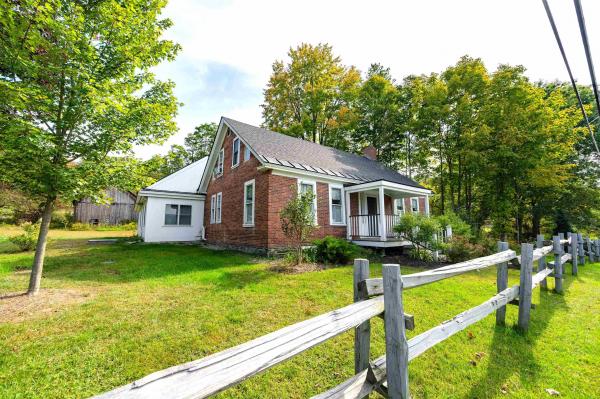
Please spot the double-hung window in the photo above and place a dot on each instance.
(414, 202)
(215, 208)
(219, 165)
(235, 152)
(307, 186)
(249, 201)
(246, 153)
(218, 206)
(178, 215)
(336, 204)
(399, 206)
(213, 202)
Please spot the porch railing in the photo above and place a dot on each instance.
(367, 226)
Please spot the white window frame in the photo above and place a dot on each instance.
(235, 162)
(247, 152)
(343, 204)
(220, 163)
(411, 205)
(178, 215)
(313, 183)
(401, 200)
(244, 222)
(218, 207)
(213, 208)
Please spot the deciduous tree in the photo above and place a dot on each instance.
(75, 87)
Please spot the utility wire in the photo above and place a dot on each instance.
(564, 56)
(586, 46)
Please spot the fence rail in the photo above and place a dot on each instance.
(373, 297)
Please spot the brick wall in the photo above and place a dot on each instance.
(230, 231)
(281, 190)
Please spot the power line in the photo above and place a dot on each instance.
(586, 46)
(564, 56)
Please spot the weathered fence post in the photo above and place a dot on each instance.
(590, 250)
(396, 345)
(501, 283)
(580, 250)
(542, 260)
(598, 249)
(558, 251)
(574, 260)
(525, 285)
(362, 333)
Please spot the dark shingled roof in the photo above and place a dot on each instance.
(282, 150)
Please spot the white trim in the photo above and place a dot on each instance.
(381, 244)
(249, 183)
(213, 203)
(389, 185)
(411, 205)
(219, 207)
(169, 194)
(239, 157)
(343, 204)
(315, 202)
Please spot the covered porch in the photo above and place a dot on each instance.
(374, 208)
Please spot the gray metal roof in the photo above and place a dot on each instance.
(282, 150)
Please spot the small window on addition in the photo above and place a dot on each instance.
(171, 213)
(246, 153)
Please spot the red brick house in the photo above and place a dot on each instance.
(252, 173)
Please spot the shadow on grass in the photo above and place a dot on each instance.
(512, 351)
(125, 263)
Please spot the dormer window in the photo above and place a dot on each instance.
(235, 152)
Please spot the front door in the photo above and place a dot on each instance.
(369, 218)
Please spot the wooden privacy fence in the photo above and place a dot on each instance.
(388, 374)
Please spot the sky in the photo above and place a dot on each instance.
(229, 46)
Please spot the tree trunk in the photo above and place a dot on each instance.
(40, 249)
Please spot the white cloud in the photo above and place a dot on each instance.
(241, 39)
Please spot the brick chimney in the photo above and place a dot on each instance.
(370, 152)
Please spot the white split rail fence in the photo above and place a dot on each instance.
(373, 297)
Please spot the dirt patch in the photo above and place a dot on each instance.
(280, 266)
(17, 307)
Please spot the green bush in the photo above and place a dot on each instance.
(61, 220)
(459, 226)
(459, 249)
(80, 226)
(421, 231)
(336, 250)
(28, 240)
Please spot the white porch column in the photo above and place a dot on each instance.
(348, 223)
(427, 205)
(382, 228)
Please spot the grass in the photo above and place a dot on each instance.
(147, 307)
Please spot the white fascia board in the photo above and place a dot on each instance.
(389, 185)
(297, 173)
(212, 158)
(170, 194)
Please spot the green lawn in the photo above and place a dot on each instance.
(134, 309)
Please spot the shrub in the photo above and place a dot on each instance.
(298, 221)
(459, 226)
(421, 231)
(80, 226)
(459, 249)
(336, 250)
(61, 220)
(28, 240)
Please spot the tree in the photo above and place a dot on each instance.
(199, 143)
(298, 221)
(312, 96)
(378, 116)
(75, 87)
